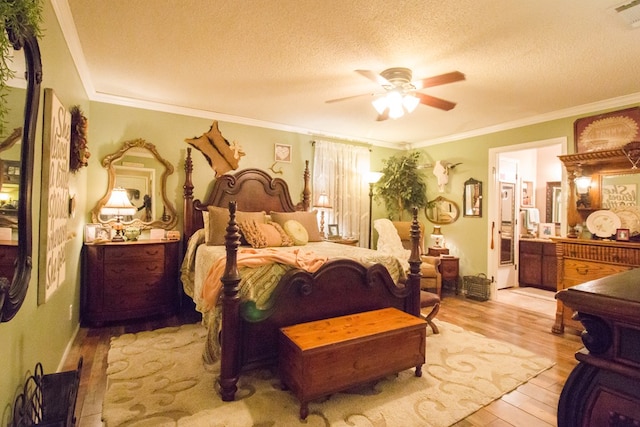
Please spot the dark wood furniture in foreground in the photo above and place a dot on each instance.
(129, 280)
(249, 336)
(604, 389)
(331, 355)
(538, 266)
(581, 260)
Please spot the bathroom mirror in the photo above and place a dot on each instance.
(472, 198)
(17, 168)
(442, 211)
(142, 172)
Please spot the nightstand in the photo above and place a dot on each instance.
(127, 280)
(434, 251)
(450, 271)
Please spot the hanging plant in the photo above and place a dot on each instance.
(17, 19)
(402, 185)
(80, 154)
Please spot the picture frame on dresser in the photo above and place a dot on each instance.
(622, 234)
(334, 231)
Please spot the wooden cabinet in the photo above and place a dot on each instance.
(8, 255)
(603, 390)
(580, 261)
(129, 280)
(537, 266)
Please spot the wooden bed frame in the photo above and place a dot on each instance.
(339, 287)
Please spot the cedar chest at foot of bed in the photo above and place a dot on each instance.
(331, 355)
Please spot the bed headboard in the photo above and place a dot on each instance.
(253, 190)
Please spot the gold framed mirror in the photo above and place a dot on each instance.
(442, 211)
(142, 172)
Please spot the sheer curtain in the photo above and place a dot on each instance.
(339, 171)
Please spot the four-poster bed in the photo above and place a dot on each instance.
(248, 331)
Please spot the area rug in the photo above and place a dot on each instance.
(157, 378)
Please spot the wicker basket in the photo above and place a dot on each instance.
(476, 287)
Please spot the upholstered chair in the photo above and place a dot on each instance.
(390, 242)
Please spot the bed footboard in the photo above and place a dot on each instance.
(340, 287)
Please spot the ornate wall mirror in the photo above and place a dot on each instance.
(17, 171)
(472, 198)
(138, 168)
(442, 211)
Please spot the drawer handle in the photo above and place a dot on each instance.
(154, 268)
(152, 252)
(582, 270)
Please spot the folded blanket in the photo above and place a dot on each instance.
(249, 257)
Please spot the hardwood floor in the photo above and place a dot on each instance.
(532, 404)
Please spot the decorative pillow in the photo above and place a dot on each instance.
(297, 232)
(205, 221)
(260, 235)
(309, 221)
(219, 219)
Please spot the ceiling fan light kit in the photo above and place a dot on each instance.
(402, 93)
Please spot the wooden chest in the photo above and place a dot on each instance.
(327, 356)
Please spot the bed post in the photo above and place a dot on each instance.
(230, 339)
(306, 192)
(187, 199)
(413, 283)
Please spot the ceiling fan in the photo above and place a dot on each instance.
(404, 94)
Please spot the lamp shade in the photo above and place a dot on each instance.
(373, 177)
(582, 184)
(436, 231)
(118, 204)
(323, 201)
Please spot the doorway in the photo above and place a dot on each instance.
(512, 169)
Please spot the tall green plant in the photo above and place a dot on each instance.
(21, 17)
(402, 185)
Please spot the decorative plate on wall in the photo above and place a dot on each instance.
(629, 217)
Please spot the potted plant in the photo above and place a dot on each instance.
(18, 18)
(402, 185)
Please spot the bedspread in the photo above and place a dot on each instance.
(258, 283)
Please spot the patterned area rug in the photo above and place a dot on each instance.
(157, 378)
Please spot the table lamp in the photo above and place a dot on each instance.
(438, 238)
(322, 203)
(118, 206)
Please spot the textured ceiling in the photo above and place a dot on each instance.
(274, 63)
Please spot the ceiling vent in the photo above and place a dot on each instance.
(630, 12)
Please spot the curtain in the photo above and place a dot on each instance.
(338, 172)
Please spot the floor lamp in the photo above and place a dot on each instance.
(372, 178)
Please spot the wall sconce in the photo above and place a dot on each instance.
(118, 206)
(371, 178)
(438, 238)
(583, 184)
(322, 203)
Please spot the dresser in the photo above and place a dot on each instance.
(8, 255)
(604, 388)
(126, 280)
(581, 260)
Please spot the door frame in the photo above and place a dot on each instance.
(493, 194)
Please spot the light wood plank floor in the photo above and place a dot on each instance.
(532, 404)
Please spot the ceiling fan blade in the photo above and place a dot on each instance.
(383, 116)
(374, 77)
(454, 76)
(348, 97)
(432, 101)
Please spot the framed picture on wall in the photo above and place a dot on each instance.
(282, 153)
(606, 131)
